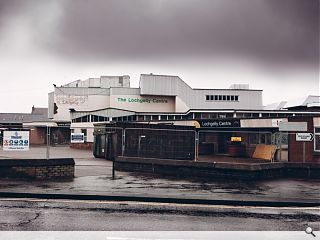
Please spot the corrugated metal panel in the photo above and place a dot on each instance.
(196, 98)
(125, 91)
(103, 113)
(259, 123)
(81, 91)
(50, 105)
(21, 117)
(102, 82)
(113, 113)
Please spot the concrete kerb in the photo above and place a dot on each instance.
(123, 198)
(216, 169)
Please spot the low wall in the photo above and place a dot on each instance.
(61, 168)
(216, 170)
(83, 146)
(303, 170)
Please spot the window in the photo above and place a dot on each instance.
(317, 139)
(163, 117)
(190, 116)
(253, 138)
(84, 131)
(205, 115)
(232, 98)
(121, 81)
(82, 119)
(197, 115)
(259, 138)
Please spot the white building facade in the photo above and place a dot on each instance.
(159, 98)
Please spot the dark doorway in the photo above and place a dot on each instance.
(223, 142)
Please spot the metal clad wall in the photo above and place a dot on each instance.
(81, 91)
(125, 91)
(50, 104)
(196, 98)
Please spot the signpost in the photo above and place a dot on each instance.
(304, 137)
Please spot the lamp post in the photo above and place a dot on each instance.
(48, 142)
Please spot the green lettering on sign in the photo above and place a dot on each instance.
(141, 100)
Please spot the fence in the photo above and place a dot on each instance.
(61, 141)
(160, 143)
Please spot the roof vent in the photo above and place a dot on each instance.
(239, 86)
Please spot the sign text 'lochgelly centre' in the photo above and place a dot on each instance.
(141, 100)
(219, 123)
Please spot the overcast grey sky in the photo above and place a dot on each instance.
(271, 44)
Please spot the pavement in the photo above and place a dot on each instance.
(93, 179)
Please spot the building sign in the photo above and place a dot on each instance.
(235, 139)
(63, 124)
(16, 140)
(234, 123)
(304, 137)
(293, 126)
(140, 100)
(77, 137)
(71, 99)
(196, 124)
(275, 122)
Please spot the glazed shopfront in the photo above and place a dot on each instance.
(204, 138)
(234, 137)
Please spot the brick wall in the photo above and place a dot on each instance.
(296, 148)
(38, 169)
(38, 136)
(83, 146)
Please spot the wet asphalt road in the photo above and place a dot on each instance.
(152, 186)
(53, 215)
(93, 176)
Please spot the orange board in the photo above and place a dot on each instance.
(265, 152)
